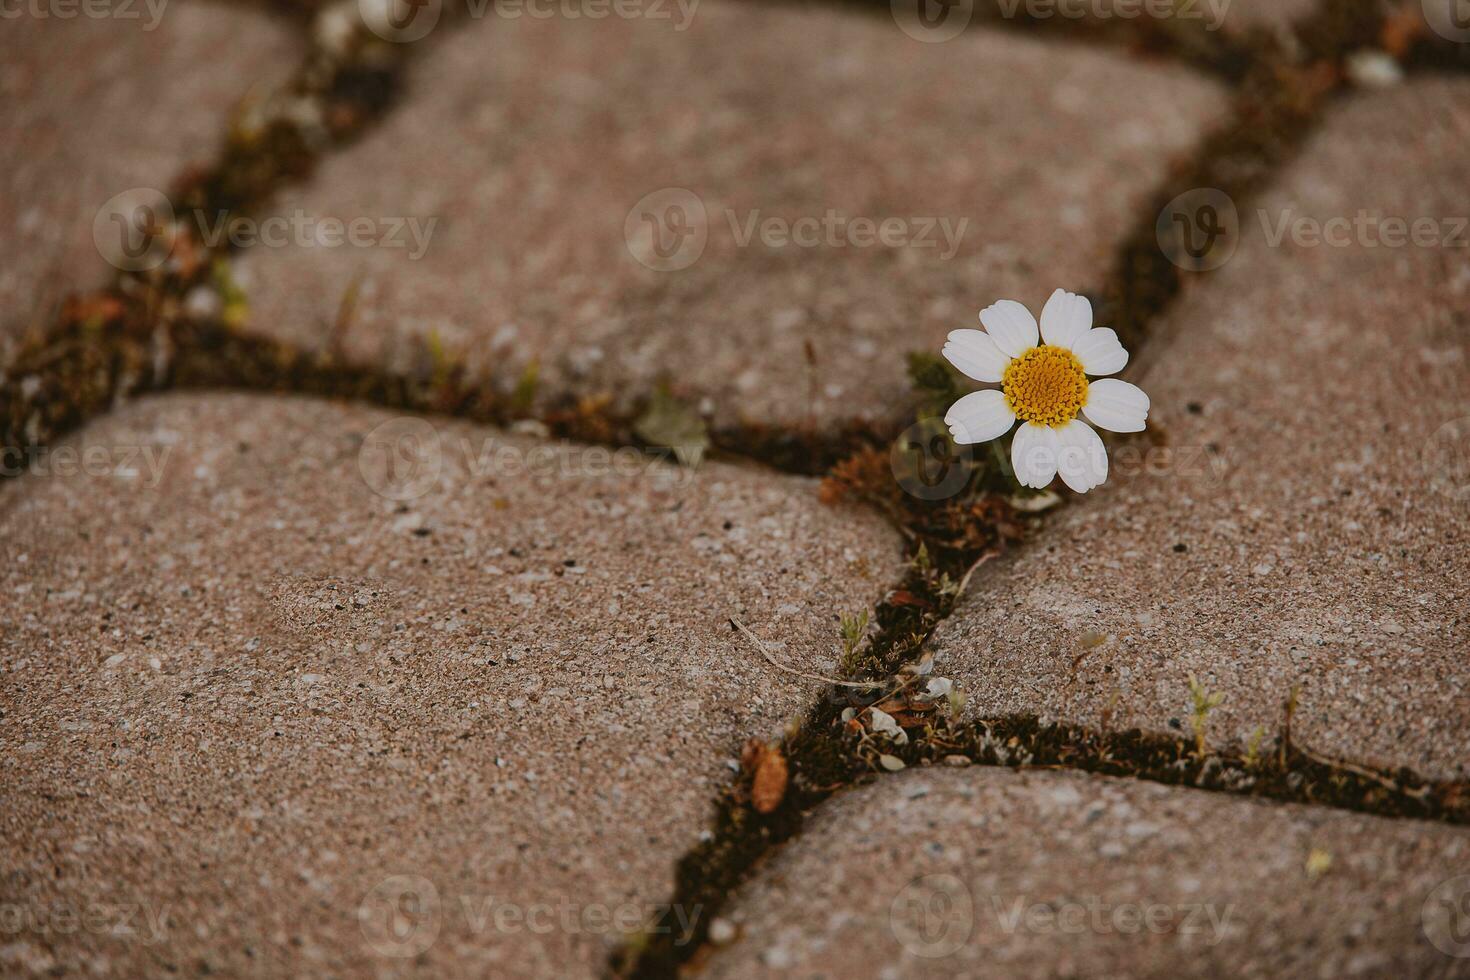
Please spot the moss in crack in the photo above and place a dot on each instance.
(341, 88)
(1288, 772)
(947, 539)
(136, 338)
(830, 755)
(705, 877)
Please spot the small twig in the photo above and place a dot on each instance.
(1323, 760)
(861, 685)
(965, 582)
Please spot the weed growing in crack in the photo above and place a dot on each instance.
(854, 629)
(1202, 702)
(1252, 758)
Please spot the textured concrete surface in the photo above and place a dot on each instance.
(1307, 523)
(241, 699)
(92, 107)
(531, 141)
(994, 873)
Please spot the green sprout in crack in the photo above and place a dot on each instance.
(948, 587)
(235, 309)
(524, 395)
(1252, 758)
(854, 628)
(441, 362)
(1203, 703)
(921, 561)
(668, 423)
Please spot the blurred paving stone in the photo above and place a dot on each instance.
(1309, 521)
(94, 107)
(252, 694)
(996, 873)
(531, 141)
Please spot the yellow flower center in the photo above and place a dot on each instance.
(1045, 385)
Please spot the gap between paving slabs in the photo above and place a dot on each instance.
(1278, 105)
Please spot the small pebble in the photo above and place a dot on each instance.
(721, 932)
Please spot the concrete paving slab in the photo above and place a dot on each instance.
(1304, 520)
(996, 873)
(310, 729)
(95, 106)
(549, 153)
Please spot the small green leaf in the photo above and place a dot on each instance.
(669, 422)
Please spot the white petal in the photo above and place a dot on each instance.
(979, 417)
(1034, 455)
(975, 354)
(1116, 406)
(1083, 462)
(1100, 352)
(1066, 319)
(1011, 326)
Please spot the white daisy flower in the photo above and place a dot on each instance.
(1044, 386)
